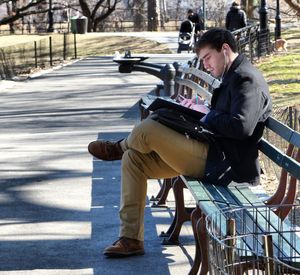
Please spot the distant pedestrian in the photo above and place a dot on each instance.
(236, 18)
(195, 18)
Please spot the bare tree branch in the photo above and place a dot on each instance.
(294, 4)
(101, 10)
(20, 12)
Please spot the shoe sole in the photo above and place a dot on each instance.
(124, 254)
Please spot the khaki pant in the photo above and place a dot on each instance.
(153, 151)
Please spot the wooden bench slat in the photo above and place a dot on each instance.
(283, 130)
(197, 190)
(195, 87)
(295, 139)
(284, 161)
(210, 80)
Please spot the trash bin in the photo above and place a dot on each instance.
(79, 24)
(73, 24)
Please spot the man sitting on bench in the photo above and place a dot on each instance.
(239, 108)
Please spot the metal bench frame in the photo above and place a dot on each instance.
(208, 197)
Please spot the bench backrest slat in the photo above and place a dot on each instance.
(210, 80)
(284, 131)
(204, 93)
(281, 159)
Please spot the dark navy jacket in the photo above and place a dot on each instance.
(239, 108)
(235, 19)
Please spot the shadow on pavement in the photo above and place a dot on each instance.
(105, 215)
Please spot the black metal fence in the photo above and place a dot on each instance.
(45, 52)
(252, 41)
(48, 51)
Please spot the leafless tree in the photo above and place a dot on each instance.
(153, 15)
(137, 8)
(97, 11)
(17, 9)
(295, 5)
(20, 9)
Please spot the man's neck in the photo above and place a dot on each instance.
(231, 58)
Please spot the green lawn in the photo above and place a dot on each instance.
(282, 71)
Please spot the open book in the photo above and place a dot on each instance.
(169, 103)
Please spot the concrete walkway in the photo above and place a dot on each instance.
(168, 38)
(59, 207)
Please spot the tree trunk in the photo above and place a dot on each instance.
(177, 11)
(138, 15)
(248, 6)
(153, 15)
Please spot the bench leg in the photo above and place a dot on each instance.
(182, 213)
(201, 230)
(278, 196)
(195, 217)
(162, 195)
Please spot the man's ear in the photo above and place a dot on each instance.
(225, 49)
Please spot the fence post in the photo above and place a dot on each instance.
(291, 116)
(297, 119)
(50, 50)
(250, 44)
(35, 54)
(65, 46)
(75, 46)
(263, 29)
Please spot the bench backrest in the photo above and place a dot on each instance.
(286, 162)
(191, 79)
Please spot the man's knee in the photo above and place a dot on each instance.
(131, 157)
(147, 126)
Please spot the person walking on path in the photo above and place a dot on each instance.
(239, 108)
(236, 18)
(195, 19)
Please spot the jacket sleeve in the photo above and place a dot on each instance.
(244, 111)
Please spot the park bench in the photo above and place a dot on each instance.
(210, 198)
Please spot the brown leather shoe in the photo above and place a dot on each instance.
(106, 150)
(125, 247)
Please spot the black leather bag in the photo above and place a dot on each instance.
(183, 123)
(217, 171)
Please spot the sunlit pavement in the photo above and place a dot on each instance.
(59, 207)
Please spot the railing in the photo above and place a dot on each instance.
(248, 41)
(46, 52)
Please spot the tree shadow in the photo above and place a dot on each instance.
(105, 206)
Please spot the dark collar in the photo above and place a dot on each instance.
(239, 59)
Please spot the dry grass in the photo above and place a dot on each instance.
(91, 43)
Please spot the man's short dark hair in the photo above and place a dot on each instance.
(215, 38)
(190, 11)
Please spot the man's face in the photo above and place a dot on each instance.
(213, 61)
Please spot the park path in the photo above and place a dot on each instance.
(59, 207)
(168, 38)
